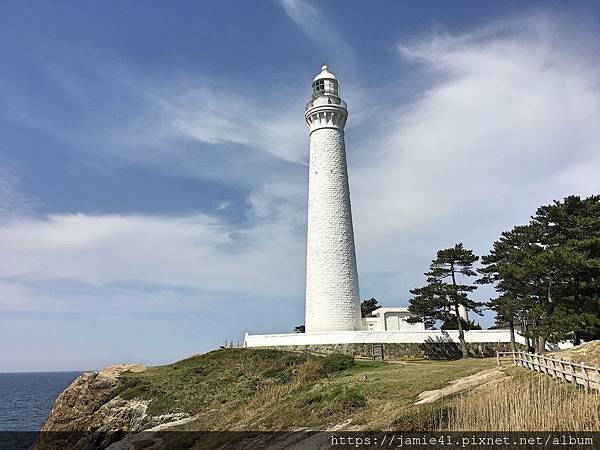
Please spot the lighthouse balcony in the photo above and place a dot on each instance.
(325, 100)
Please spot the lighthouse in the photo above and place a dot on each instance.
(332, 296)
(332, 315)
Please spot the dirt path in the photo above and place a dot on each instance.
(462, 384)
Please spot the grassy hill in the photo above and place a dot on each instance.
(263, 390)
(260, 389)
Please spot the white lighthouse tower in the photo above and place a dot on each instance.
(332, 297)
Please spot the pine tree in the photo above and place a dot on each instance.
(451, 324)
(547, 273)
(571, 242)
(513, 267)
(368, 306)
(441, 297)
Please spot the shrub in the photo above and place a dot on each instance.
(352, 399)
(337, 362)
(345, 399)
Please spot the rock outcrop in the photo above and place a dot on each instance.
(83, 405)
(90, 408)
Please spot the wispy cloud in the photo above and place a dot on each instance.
(506, 123)
(13, 202)
(194, 257)
(324, 33)
(189, 125)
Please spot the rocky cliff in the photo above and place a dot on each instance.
(243, 390)
(92, 403)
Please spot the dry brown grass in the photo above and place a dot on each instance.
(526, 402)
(588, 353)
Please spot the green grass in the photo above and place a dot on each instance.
(225, 376)
(260, 389)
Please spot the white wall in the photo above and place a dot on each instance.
(396, 321)
(391, 321)
(378, 337)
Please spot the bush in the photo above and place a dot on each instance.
(352, 399)
(337, 362)
(344, 399)
(339, 399)
(310, 398)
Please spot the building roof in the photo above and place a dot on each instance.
(388, 309)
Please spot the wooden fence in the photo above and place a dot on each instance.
(568, 371)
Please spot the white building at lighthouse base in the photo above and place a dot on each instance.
(386, 325)
(379, 337)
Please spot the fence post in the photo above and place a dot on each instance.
(562, 369)
(498, 358)
(586, 378)
(514, 358)
(573, 376)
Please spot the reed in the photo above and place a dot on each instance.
(530, 402)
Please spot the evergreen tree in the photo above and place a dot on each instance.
(441, 297)
(571, 242)
(512, 266)
(451, 324)
(547, 273)
(368, 306)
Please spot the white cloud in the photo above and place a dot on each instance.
(508, 122)
(321, 31)
(217, 113)
(224, 205)
(193, 125)
(13, 202)
(196, 252)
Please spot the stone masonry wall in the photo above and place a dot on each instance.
(437, 350)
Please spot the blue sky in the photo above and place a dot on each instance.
(153, 157)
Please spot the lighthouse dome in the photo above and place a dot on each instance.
(325, 83)
(325, 73)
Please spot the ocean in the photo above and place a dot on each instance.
(26, 399)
